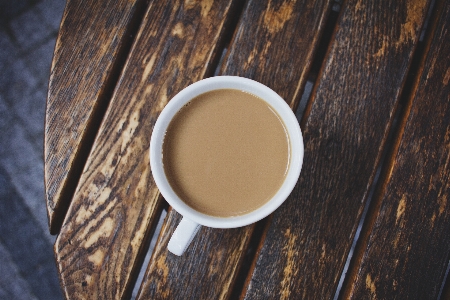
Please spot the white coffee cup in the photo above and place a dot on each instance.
(192, 219)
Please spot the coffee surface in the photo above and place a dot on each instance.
(226, 153)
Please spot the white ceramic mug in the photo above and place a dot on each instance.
(192, 219)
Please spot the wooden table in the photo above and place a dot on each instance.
(370, 214)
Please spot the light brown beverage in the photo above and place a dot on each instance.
(226, 153)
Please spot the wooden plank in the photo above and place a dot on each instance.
(274, 43)
(406, 246)
(85, 67)
(193, 276)
(116, 204)
(345, 128)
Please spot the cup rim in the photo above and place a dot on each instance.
(227, 82)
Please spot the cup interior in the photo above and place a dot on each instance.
(226, 82)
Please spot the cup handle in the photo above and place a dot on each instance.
(182, 236)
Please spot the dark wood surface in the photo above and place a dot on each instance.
(409, 229)
(116, 202)
(226, 249)
(345, 129)
(79, 92)
(380, 101)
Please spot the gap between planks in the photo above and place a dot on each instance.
(151, 247)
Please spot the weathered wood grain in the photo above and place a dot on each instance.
(86, 64)
(274, 44)
(203, 272)
(345, 129)
(116, 203)
(405, 248)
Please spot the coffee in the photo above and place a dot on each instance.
(226, 153)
